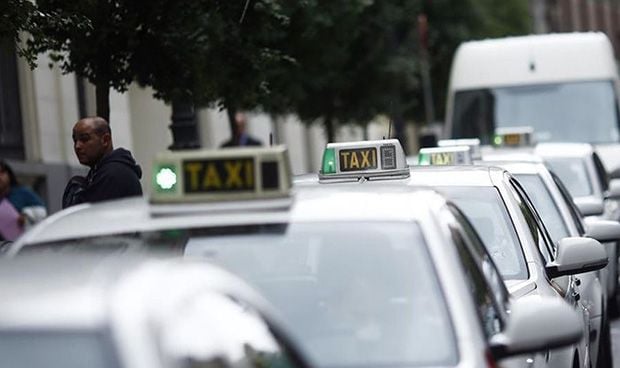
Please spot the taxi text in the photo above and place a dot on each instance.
(219, 175)
(358, 159)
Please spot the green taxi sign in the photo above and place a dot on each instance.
(472, 143)
(219, 175)
(513, 137)
(442, 156)
(370, 159)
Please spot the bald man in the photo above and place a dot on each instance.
(113, 172)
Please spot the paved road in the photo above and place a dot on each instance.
(615, 338)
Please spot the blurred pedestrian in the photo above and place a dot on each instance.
(240, 136)
(20, 206)
(113, 173)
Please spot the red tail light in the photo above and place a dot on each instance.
(490, 360)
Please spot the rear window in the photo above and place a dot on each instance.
(56, 349)
(353, 293)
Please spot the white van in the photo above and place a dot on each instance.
(565, 86)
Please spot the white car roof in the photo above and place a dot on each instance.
(564, 149)
(559, 57)
(309, 204)
(50, 291)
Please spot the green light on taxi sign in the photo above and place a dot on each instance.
(166, 179)
(329, 161)
(498, 140)
(424, 159)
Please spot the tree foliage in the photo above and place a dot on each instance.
(337, 61)
(359, 58)
(203, 51)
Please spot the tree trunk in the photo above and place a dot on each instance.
(184, 126)
(330, 129)
(102, 95)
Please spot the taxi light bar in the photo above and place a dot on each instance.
(514, 137)
(201, 176)
(472, 143)
(442, 156)
(369, 159)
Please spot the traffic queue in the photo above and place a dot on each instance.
(493, 251)
(368, 261)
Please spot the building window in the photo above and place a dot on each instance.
(11, 131)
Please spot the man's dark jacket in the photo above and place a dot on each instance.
(117, 175)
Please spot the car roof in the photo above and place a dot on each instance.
(520, 167)
(74, 291)
(468, 175)
(564, 149)
(348, 201)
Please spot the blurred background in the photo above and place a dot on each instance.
(170, 74)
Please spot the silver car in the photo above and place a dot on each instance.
(517, 239)
(562, 220)
(112, 312)
(582, 172)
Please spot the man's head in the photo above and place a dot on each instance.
(240, 124)
(92, 139)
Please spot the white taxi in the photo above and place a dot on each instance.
(562, 219)
(510, 227)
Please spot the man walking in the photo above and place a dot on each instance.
(113, 172)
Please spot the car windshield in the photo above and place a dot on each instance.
(561, 112)
(573, 173)
(545, 205)
(56, 349)
(354, 294)
(486, 211)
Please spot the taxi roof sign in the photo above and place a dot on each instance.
(472, 143)
(444, 156)
(370, 159)
(200, 176)
(514, 137)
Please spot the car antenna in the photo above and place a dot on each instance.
(390, 124)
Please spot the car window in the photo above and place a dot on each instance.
(568, 199)
(487, 266)
(352, 293)
(542, 240)
(486, 302)
(57, 348)
(538, 192)
(601, 172)
(574, 174)
(487, 212)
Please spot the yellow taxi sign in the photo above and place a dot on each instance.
(380, 158)
(472, 143)
(218, 175)
(442, 156)
(513, 137)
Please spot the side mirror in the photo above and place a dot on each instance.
(536, 324)
(589, 206)
(603, 230)
(577, 255)
(614, 189)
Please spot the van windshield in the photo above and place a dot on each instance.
(561, 112)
